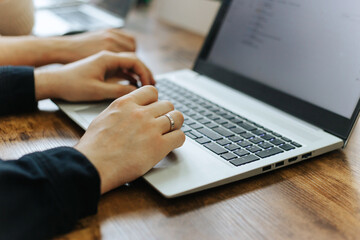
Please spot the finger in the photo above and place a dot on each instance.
(113, 90)
(165, 121)
(174, 139)
(148, 77)
(120, 75)
(144, 95)
(160, 108)
(152, 79)
(123, 34)
(127, 61)
(124, 38)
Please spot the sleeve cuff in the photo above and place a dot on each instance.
(75, 181)
(17, 90)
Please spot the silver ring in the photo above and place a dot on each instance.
(172, 122)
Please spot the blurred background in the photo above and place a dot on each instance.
(192, 15)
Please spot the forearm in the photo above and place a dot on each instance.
(46, 193)
(33, 51)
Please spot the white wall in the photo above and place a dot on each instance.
(193, 15)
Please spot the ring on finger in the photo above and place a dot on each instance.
(171, 120)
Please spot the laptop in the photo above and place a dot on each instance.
(63, 17)
(276, 83)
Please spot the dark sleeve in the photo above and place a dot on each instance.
(17, 90)
(44, 193)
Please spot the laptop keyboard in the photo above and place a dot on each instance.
(229, 135)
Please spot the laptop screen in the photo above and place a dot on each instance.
(305, 52)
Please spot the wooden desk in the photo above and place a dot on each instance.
(317, 199)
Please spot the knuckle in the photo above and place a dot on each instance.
(138, 114)
(151, 89)
(169, 104)
(120, 102)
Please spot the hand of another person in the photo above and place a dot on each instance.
(83, 45)
(129, 137)
(94, 78)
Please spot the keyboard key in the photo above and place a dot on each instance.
(196, 126)
(213, 117)
(296, 144)
(221, 112)
(244, 160)
(287, 147)
(229, 125)
(191, 113)
(196, 134)
(244, 143)
(258, 132)
(238, 130)
(276, 134)
(241, 152)
(211, 125)
(228, 116)
(185, 128)
(286, 139)
(232, 147)
(247, 135)
(237, 120)
(190, 135)
(210, 134)
(223, 131)
(265, 145)
(235, 138)
(203, 140)
(204, 121)
(221, 121)
(277, 141)
(256, 140)
(189, 121)
(247, 126)
(215, 148)
(197, 116)
(223, 142)
(253, 149)
(228, 156)
(269, 152)
(267, 137)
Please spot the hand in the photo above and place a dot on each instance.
(93, 78)
(129, 137)
(76, 47)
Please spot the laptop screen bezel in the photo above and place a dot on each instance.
(320, 117)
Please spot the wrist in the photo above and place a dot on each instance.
(44, 84)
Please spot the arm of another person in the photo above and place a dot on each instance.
(36, 51)
(43, 194)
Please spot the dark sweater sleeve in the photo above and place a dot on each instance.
(44, 193)
(17, 90)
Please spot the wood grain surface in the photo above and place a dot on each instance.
(316, 199)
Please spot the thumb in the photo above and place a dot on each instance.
(114, 90)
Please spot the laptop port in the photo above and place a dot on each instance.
(306, 155)
(279, 164)
(292, 159)
(266, 168)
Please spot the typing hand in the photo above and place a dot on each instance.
(129, 137)
(94, 78)
(83, 45)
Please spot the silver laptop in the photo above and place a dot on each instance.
(60, 17)
(276, 83)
